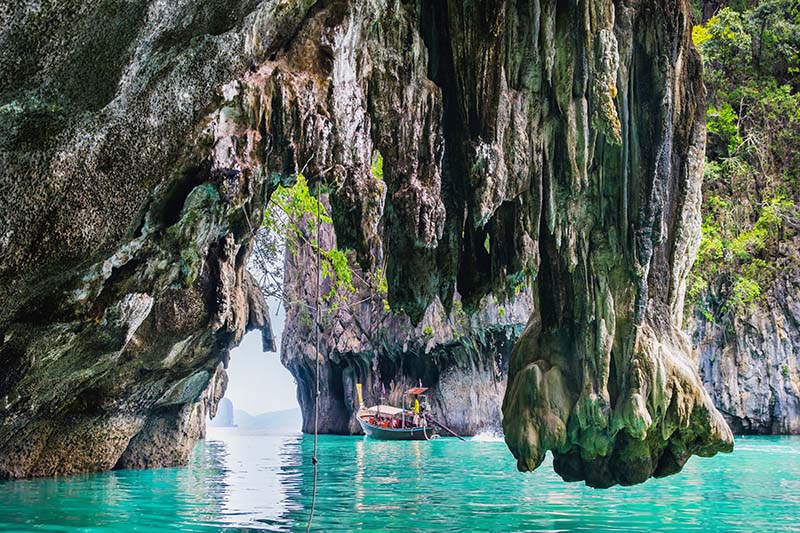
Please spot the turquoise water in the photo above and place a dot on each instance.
(262, 482)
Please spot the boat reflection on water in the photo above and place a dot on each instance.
(376, 472)
(359, 477)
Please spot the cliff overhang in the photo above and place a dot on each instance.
(558, 143)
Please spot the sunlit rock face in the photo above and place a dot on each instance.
(750, 361)
(558, 142)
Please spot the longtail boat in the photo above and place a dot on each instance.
(387, 422)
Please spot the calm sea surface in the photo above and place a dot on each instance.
(263, 482)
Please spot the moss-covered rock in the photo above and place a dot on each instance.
(554, 141)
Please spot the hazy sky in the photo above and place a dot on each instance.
(257, 381)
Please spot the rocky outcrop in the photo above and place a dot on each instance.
(128, 193)
(224, 417)
(521, 140)
(462, 358)
(750, 360)
(603, 376)
(571, 141)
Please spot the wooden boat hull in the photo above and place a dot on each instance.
(419, 433)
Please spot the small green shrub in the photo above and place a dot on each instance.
(377, 165)
(292, 215)
(745, 294)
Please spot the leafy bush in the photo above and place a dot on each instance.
(746, 292)
(725, 123)
(289, 221)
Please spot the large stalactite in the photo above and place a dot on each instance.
(558, 142)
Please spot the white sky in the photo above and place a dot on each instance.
(257, 381)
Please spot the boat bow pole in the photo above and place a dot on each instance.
(453, 433)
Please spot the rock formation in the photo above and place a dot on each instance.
(224, 417)
(742, 302)
(462, 358)
(750, 362)
(127, 201)
(571, 140)
(603, 376)
(560, 142)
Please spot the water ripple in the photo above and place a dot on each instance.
(240, 482)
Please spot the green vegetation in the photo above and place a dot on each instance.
(377, 165)
(290, 225)
(290, 220)
(427, 332)
(751, 57)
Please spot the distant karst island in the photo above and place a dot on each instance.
(285, 420)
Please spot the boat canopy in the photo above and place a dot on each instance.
(416, 390)
(384, 410)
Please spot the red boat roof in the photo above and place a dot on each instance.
(416, 390)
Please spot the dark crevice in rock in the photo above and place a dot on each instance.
(171, 202)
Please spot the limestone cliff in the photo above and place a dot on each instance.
(555, 141)
(462, 358)
(128, 190)
(750, 360)
(571, 141)
(742, 300)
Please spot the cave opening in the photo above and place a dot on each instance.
(261, 393)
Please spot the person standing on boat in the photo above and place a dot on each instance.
(416, 410)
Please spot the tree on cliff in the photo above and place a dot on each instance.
(751, 190)
(289, 225)
(289, 222)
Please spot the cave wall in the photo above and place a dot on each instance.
(564, 144)
(559, 142)
(127, 183)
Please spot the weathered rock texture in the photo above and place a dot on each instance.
(571, 141)
(462, 358)
(555, 140)
(603, 376)
(127, 184)
(750, 360)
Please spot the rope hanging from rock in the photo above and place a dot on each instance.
(314, 459)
